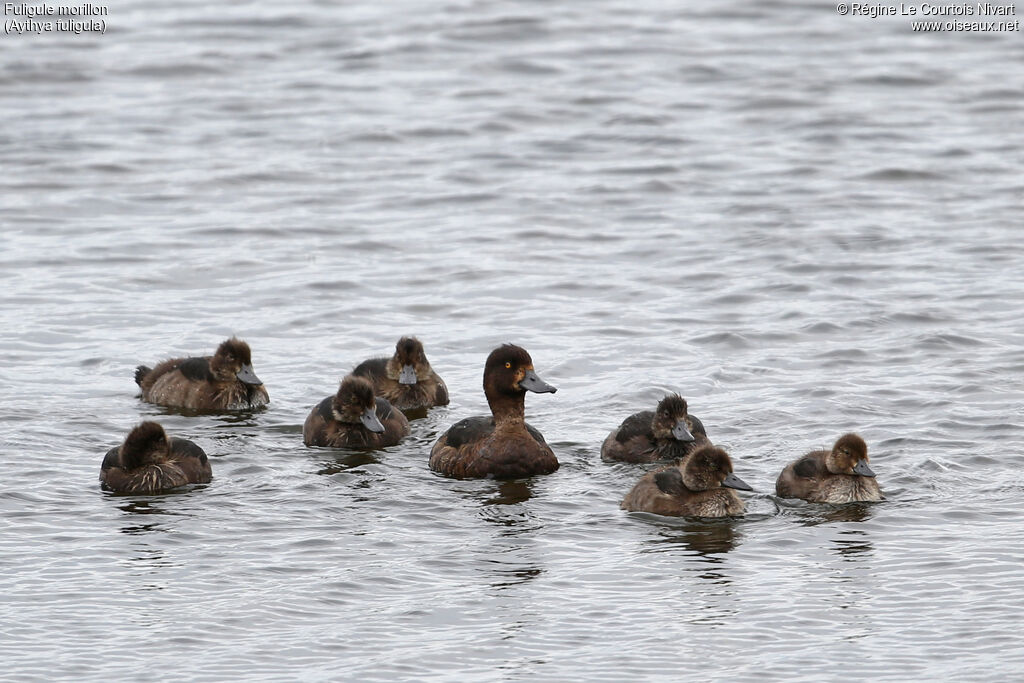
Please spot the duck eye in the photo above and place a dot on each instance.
(507, 364)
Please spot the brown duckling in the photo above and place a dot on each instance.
(354, 418)
(502, 446)
(148, 462)
(699, 486)
(406, 379)
(223, 381)
(838, 476)
(667, 433)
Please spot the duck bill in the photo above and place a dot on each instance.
(531, 382)
(734, 482)
(681, 433)
(247, 376)
(371, 421)
(407, 375)
(862, 469)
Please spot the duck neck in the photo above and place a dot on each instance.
(508, 409)
(670, 449)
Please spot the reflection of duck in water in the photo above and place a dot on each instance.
(148, 462)
(857, 544)
(700, 486)
(708, 538)
(354, 418)
(503, 445)
(516, 576)
(406, 379)
(508, 493)
(667, 433)
(223, 381)
(841, 475)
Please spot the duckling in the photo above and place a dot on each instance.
(353, 418)
(502, 446)
(838, 476)
(406, 379)
(698, 486)
(148, 462)
(668, 433)
(224, 381)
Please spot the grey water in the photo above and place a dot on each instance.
(805, 223)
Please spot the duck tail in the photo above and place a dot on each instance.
(140, 373)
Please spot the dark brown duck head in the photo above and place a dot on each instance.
(409, 365)
(232, 361)
(355, 404)
(849, 456)
(508, 375)
(709, 467)
(145, 445)
(671, 420)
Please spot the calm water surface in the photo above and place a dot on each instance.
(805, 223)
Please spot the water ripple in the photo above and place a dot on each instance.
(734, 202)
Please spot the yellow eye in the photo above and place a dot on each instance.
(507, 364)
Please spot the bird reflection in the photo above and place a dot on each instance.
(509, 493)
(501, 505)
(150, 565)
(514, 576)
(850, 512)
(851, 549)
(347, 460)
(146, 559)
(854, 512)
(237, 418)
(706, 539)
(142, 507)
(496, 492)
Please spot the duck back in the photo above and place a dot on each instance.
(424, 394)
(634, 441)
(663, 493)
(475, 447)
(188, 383)
(188, 464)
(808, 478)
(322, 429)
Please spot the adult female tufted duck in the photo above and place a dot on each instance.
(502, 446)
(668, 433)
(406, 379)
(699, 486)
(224, 381)
(838, 476)
(353, 418)
(148, 462)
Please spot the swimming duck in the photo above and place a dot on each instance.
(668, 433)
(224, 381)
(699, 486)
(501, 446)
(148, 462)
(838, 476)
(406, 379)
(354, 418)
